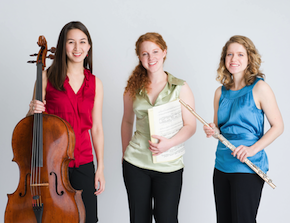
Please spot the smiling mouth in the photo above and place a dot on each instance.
(77, 54)
(152, 63)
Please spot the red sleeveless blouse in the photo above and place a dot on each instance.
(76, 109)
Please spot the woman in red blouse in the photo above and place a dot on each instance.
(72, 92)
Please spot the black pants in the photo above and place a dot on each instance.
(237, 196)
(144, 186)
(83, 178)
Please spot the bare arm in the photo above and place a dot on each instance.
(211, 131)
(188, 129)
(127, 122)
(264, 99)
(98, 137)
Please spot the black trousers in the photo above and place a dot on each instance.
(237, 196)
(83, 178)
(145, 187)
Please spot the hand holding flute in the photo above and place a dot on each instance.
(213, 131)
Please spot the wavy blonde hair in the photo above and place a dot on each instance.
(254, 62)
(139, 79)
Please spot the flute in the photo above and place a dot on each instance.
(231, 147)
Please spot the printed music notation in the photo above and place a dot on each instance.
(166, 120)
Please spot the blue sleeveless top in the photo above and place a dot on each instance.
(242, 123)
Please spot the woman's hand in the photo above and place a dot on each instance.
(210, 131)
(36, 106)
(162, 146)
(242, 152)
(99, 182)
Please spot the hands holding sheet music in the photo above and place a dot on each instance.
(162, 146)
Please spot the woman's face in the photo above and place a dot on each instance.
(236, 60)
(151, 56)
(77, 46)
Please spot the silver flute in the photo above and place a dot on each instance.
(231, 147)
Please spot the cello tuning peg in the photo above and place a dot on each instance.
(50, 56)
(32, 55)
(52, 49)
(31, 61)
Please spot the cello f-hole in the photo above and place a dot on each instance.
(62, 192)
(25, 188)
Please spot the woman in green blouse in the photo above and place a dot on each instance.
(147, 87)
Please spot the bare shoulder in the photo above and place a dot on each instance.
(128, 106)
(262, 91)
(187, 96)
(263, 95)
(98, 81)
(218, 90)
(99, 84)
(127, 98)
(126, 94)
(217, 96)
(261, 87)
(185, 89)
(185, 85)
(218, 93)
(186, 93)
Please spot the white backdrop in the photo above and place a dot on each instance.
(195, 32)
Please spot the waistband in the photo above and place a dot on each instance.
(243, 136)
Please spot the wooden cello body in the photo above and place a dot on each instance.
(44, 193)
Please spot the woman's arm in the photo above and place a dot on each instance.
(265, 100)
(211, 131)
(36, 106)
(98, 137)
(188, 129)
(127, 121)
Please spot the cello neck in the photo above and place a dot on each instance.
(40, 67)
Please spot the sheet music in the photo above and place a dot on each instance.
(166, 120)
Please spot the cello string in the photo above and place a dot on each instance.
(40, 130)
(32, 178)
(40, 156)
(37, 159)
(38, 134)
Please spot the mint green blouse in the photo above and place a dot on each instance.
(137, 152)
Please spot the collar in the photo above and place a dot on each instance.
(171, 80)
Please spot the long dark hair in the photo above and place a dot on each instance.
(57, 72)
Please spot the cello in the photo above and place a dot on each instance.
(43, 146)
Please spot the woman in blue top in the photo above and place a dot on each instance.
(239, 108)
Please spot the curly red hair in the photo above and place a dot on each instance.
(139, 79)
